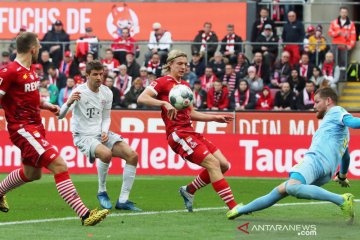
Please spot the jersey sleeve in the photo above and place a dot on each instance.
(109, 100)
(341, 112)
(5, 80)
(155, 86)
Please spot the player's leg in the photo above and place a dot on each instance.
(260, 203)
(15, 179)
(68, 192)
(203, 179)
(104, 155)
(218, 181)
(124, 151)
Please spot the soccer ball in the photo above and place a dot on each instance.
(181, 97)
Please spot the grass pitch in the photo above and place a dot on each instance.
(37, 212)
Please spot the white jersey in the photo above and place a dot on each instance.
(87, 114)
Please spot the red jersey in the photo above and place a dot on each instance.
(111, 64)
(161, 87)
(21, 98)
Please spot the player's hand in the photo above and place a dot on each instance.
(74, 97)
(54, 109)
(171, 111)
(223, 118)
(342, 180)
(104, 137)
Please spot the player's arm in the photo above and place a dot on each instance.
(351, 121)
(106, 119)
(147, 98)
(49, 106)
(341, 175)
(198, 116)
(75, 96)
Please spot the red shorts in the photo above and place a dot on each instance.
(191, 146)
(36, 151)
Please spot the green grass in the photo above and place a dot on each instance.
(40, 200)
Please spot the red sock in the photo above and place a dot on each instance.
(222, 188)
(68, 192)
(200, 181)
(15, 179)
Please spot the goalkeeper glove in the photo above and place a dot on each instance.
(342, 180)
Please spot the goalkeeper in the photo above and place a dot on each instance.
(328, 150)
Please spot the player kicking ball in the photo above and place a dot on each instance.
(91, 102)
(329, 148)
(20, 99)
(182, 137)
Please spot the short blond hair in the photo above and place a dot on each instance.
(173, 54)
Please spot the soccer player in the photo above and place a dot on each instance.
(182, 137)
(328, 149)
(20, 99)
(91, 102)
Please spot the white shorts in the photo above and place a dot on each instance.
(87, 144)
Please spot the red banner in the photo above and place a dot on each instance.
(183, 20)
(249, 155)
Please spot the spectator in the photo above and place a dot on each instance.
(217, 97)
(38, 70)
(342, 30)
(82, 69)
(5, 59)
(45, 60)
(123, 45)
(305, 67)
(317, 78)
(243, 98)
(123, 82)
(282, 70)
(230, 79)
(268, 45)
(293, 32)
(241, 66)
(159, 42)
(55, 77)
(208, 79)
(278, 11)
(231, 45)
(116, 103)
(155, 65)
(189, 76)
(197, 64)
(133, 68)
(66, 91)
(69, 67)
(259, 24)
(48, 92)
(256, 84)
(262, 68)
(317, 46)
(144, 76)
(87, 43)
(305, 100)
(12, 46)
(200, 96)
(218, 65)
(310, 31)
(90, 57)
(208, 40)
(296, 82)
(265, 101)
(132, 95)
(330, 70)
(285, 99)
(56, 41)
(110, 61)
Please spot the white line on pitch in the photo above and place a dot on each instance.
(151, 213)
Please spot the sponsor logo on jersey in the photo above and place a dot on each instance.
(30, 87)
(31, 76)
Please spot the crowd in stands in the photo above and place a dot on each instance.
(221, 76)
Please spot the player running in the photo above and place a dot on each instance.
(328, 149)
(182, 137)
(90, 122)
(20, 99)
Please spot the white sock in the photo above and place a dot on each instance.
(102, 169)
(128, 180)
